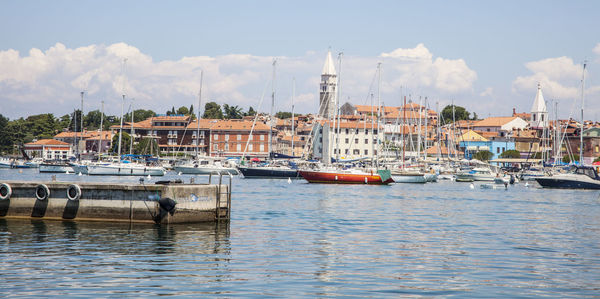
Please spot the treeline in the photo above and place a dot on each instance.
(14, 133)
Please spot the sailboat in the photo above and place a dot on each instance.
(124, 168)
(331, 174)
(273, 169)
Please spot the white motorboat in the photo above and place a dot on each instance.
(406, 176)
(476, 174)
(55, 167)
(205, 166)
(128, 169)
(577, 178)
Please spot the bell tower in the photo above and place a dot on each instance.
(327, 90)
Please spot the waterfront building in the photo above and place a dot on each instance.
(355, 139)
(48, 149)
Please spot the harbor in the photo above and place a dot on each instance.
(322, 240)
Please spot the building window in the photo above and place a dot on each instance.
(239, 147)
(355, 140)
(497, 150)
(216, 147)
(375, 131)
(262, 147)
(597, 149)
(250, 137)
(367, 132)
(226, 136)
(347, 131)
(321, 139)
(250, 147)
(366, 141)
(533, 117)
(239, 137)
(366, 152)
(356, 152)
(226, 146)
(262, 137)
(542, 117)
(347, 140)
(216, 137)
(346, 151)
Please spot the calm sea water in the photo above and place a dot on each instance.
(308, 240)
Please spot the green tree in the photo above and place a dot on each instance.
(250, 112)
(536, 155)
(460, 113)
(567, 158)
(212, 110)
(139, 115)
(510, 154)
(483, 155)
(125, 143)
(6, 142)
(232, 112)
(597, 160)
(183, 110)
(283, 115)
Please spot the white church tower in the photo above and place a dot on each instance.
(327, 91)
(539, 114)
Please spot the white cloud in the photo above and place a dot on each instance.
(559, 77)
(416, 66)
(487, 92)
(50, 80)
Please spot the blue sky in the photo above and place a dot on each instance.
(498, 50)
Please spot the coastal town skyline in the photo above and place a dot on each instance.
(489, 69)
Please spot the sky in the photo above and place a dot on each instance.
(485, 56)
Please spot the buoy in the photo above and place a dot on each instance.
(472, 186)
(289, 180)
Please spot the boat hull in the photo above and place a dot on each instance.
(550, 182)
(419, 179)
(124, 170)
(205, 170)
(51, 168)
(268, 172)
(343, 178)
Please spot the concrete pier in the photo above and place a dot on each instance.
(152, 203)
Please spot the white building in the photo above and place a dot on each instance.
(355, 139)
(539, 114)
(48, 149)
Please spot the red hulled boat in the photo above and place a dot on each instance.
(380, 177)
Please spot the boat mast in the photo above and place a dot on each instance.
(293, 95)
(376, 154)
(122, 107)
(403, 128)
(101, 120)
(198, 118)
(272, 106)
(81, 126)
(582, 120)
(339, 112)
(131, 137)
